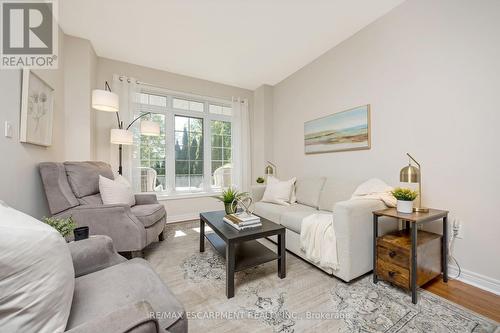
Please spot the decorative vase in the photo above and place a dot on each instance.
(230, 207)
(405, 207)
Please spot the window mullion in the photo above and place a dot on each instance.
(207, 150)
(170, 146)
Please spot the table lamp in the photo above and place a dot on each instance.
(270, 169)
(411, 174)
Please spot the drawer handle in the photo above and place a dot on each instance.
(392, 254)
(391, 274)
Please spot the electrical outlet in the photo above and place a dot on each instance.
(458, 230)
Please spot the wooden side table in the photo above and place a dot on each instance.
(395, 254)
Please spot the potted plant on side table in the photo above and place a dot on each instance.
(405, 197)
(228, 197)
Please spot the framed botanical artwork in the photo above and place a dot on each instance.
(37, 107)
(342, 131)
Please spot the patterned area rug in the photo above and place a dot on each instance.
(307, 300)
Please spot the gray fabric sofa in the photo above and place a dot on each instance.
(72, 189)
(352, 221)
(114, 295)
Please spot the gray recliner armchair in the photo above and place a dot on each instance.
(115, 295)
(72, 189)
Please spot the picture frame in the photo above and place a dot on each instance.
(342, 131)
(37, 110)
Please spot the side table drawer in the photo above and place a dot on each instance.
(393, 273)
(394, 255)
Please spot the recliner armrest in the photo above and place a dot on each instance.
(146, 199)
(93, 254)
(135, 317)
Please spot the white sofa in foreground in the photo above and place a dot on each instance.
(352, 221)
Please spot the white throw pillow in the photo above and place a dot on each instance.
(37, 277)
(116, 191)
(278, 192)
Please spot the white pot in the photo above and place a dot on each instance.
(405, 207)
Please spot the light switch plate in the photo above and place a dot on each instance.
(8, 129)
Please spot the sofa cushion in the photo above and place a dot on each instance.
(148, 214)
(94, 199)
(293, 220)
(269, 211)
(274, 212)
(59, 193)
(83, 177)
(334, 190)
(102, 292)
(36, 275)
(307, 190)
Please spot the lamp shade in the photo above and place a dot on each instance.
(104, 100)
(150, 128)
(409, 174)
(121, 137)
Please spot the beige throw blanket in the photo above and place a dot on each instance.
(318, 241)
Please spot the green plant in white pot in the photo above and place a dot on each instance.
(405, 197)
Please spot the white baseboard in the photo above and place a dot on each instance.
(476, 280)
(182, 217)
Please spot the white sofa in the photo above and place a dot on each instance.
(352, 221)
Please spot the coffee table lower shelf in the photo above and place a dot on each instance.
(247, 254)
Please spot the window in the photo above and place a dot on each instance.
(151, 154)
(183, 104)
(220, 109)
(194, 150)
(188, 153)
(221, 153)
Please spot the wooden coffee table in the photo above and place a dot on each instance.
(240, 248)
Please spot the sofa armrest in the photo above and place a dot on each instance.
(93, 254)
(146, 199)
(353, 225)
(115, 221)
(138, 317)
(257, 192)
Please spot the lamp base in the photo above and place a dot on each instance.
(420, 210)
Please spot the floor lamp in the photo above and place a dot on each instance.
(106, 100)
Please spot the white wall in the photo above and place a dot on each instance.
(430, 70)
(79, 79)
(179, 208)
(20, 184)
(262, 123)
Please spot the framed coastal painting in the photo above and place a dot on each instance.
(37, 107)
(342, 131)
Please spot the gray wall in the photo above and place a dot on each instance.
(430, 70)
(80, 70)
(20, 184)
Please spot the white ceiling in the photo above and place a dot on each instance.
(245, 43)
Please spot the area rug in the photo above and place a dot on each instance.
(307, 300)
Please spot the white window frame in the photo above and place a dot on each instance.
(170, 113)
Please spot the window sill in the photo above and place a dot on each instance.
(188, 195)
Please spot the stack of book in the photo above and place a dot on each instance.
(243, 221)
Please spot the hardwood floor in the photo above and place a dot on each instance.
(470, 297)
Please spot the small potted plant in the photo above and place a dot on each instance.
(64, 226)
(260, 180)
(227, 197)
(405, 197)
